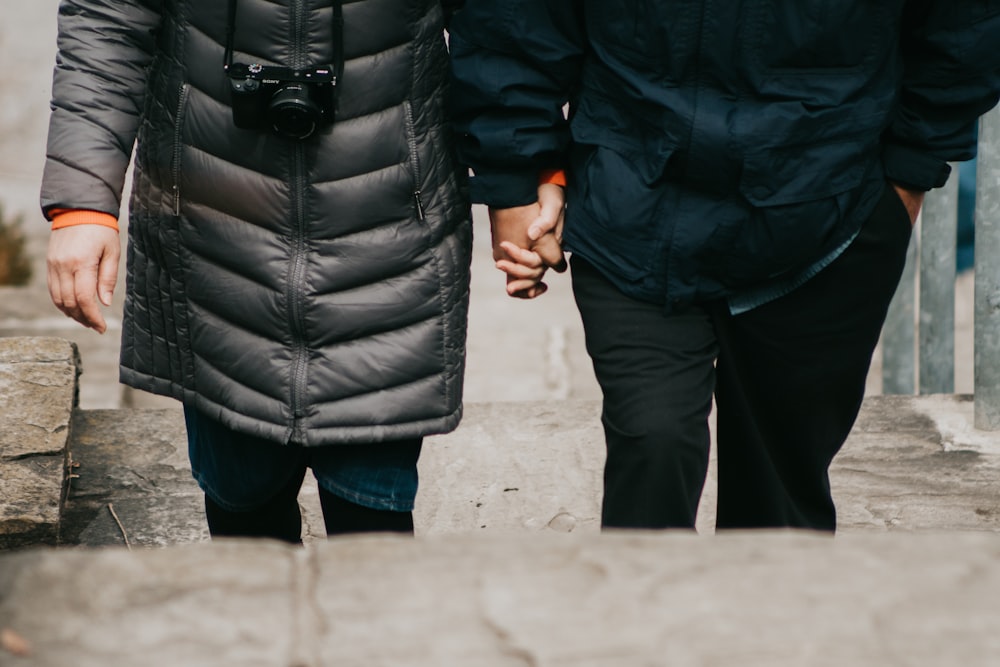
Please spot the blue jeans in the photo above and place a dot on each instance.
(241, 472)
(965, 250)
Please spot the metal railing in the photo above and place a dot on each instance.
(918, 340)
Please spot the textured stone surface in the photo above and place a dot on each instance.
(755, 599)
(133, 481)
(111, 607)
(916, 462)
(912, 463)
(37, 394)
(28, 312)
(514, 466)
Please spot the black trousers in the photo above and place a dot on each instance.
(788, 379)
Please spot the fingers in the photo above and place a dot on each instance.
(551, 204)
(525, 288)
(549, 249)
(107, 276)
(524, 270)
(546, 229)
(525, 259)
(531, 292)
(78, 298)
(82, 269)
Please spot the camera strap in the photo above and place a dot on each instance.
(336, 30)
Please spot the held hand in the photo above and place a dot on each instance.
(527, 242)
(524, 267)
(912, 200)
(545, 231)
(82, 269)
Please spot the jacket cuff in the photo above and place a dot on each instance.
(552, 177)
(507, 189)
(71, 217)
(913, 169)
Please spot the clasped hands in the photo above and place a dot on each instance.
(527, 241)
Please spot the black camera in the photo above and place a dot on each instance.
(293, 103)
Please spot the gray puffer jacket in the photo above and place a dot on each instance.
(310, 291)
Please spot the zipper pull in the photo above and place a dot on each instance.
(420, 205)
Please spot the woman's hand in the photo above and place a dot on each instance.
(82, 270)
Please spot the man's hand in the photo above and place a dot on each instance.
(527, 241)
(82, 269)
(912, 200)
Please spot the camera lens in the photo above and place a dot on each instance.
(293, 113)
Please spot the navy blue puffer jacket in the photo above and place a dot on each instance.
(714, 147)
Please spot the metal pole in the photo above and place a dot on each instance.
(938, 232)
(987, 299)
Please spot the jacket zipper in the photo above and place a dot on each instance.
(296, 273)
(411, 138)
(176, 157)
(296, 279)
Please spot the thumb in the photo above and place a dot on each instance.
(551, 200)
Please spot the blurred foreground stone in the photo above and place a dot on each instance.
(751, 599)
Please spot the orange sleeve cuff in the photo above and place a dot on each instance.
(62, 217)
(553, 176)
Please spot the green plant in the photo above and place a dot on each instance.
(15, 266)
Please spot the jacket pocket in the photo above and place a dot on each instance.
(799, 198)
(815, 37)
(635, 133)
(177, 149)
(792, 174)
(411, 142)
(614, 211)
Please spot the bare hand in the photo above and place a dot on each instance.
(912, 200)
(82, 269)
(527, 241)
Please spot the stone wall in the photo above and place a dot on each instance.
(38, 391)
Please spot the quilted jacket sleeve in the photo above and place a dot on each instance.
(951, 77)
(514, 65)
(104, 50)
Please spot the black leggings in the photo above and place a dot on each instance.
(280, 517)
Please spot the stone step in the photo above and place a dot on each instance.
(754, 599)
(911, 463)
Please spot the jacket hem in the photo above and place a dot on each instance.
(278, 432)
